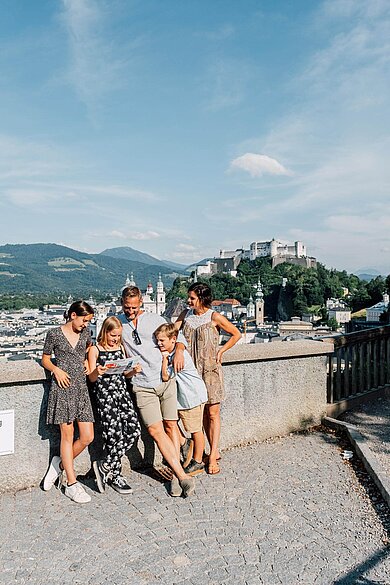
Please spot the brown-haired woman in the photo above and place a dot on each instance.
(201, 326)
(68, 397)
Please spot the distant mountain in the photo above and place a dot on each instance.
(193, 266)
(36, 268)
(367, 273)
(127, 253)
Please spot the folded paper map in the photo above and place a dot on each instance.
(119, 366)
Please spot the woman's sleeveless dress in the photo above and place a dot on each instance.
(202, 338)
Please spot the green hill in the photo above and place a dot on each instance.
(39, 268)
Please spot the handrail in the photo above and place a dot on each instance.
(360, 363)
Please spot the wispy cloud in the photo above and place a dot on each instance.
(96, 68)
(258, 165)
(225, 83)
(223, 32)
(335, 137)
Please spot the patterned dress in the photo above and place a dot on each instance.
(120, 425)
(202, 338)
(66, 405)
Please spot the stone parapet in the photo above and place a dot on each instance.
(272, 389)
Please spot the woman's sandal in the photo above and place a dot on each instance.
(205, 458)
(213, 468)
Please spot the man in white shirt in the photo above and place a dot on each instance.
(156, 400)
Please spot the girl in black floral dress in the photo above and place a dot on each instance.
(115, 406)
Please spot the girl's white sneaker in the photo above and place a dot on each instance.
(52, 473)
(77, 493)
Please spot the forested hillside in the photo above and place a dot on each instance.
(306, 290)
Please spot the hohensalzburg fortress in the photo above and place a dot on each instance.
(277, 250)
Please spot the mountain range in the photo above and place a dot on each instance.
(37, 268)
(41, 268)
(127, 253)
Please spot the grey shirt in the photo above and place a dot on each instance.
(148, 354)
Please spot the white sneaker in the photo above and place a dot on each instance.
(52, 473)
(77, 493)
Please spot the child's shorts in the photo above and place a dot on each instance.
(192, 419)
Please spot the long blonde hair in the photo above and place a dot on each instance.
(109, 324)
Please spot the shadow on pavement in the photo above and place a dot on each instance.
(356, 575)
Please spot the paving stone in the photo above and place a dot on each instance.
(287, 512)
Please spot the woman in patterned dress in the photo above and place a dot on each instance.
(68, 397)
(201, 327)
(115, 406)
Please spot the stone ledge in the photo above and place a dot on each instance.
(370, 462)
(21, 372)
(280, 350)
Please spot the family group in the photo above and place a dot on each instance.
(175, 373)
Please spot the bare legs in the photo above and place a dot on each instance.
(168, 447)
(199, 444)
(212, 427)
(172, 430)
(69, 449)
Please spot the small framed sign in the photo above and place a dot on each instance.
(7, 432)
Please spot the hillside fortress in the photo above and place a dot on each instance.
(278, 251)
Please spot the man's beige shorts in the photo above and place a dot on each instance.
(156, 404)
(192, 419)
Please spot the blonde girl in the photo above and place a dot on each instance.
(115, 406)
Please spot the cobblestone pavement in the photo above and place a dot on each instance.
(372, 420)
(288, 511)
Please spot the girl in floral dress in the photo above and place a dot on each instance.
(115, 406)
(68, 397)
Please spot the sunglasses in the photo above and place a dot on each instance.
(136, 337)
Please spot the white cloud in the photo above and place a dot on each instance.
(95, 67)
(126, 235)
(186, 247)
(258, 165)
(335, 136)
(149, 235)
(26, 197)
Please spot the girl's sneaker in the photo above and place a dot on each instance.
(52, 473)
(120, 485)
(102, 474)
(77, 493)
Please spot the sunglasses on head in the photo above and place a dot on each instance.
(136, 337)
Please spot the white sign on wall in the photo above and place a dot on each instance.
(7, 431)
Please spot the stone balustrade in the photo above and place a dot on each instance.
(272, 389)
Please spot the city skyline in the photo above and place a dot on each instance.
(180, 128)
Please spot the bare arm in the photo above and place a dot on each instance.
(95, 370)
(164, 367)
(222, 323)
(62, 377)
(180, 320)
(136, 370)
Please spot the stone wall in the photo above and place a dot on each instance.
(271, 390)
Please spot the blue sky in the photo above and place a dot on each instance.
(182, 127)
